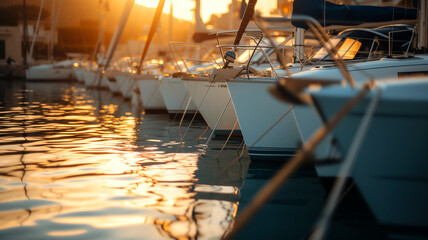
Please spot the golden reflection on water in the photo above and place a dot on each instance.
(75, 160)
(67, 233)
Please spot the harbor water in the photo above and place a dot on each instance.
(79, 163)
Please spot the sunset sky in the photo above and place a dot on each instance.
(183, 8)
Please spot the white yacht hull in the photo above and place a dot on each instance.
(390, 166)
(175, 95)
(89, 77)
(126, 85)
(110, 79)
(267, 133)
(78, 72)
(150, 95)
(309, 121)
(94, 79)
(49, 73)
(214, 103)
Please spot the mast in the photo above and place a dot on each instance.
(248, 15)
(199, 24)
(230, 56)
(51, 46)
(103, 13)
(118, 32)
(36, 30)
(99, 39)
(152, 31)
(25, 31)
(171, 20)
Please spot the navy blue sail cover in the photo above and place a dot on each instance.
(348, 15)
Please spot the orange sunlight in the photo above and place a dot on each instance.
(183, 9)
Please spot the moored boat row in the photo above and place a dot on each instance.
(369, 130)
(236, 98)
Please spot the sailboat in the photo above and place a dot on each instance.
(58, 71)
(209, 91)
(176, 96)
(389, 167)
(308, 120)
(388, 149)
(63, 70)
(189, 58)
(104, 76)
(269, 127)
(390, 156)
(144, 83)
(148, 91)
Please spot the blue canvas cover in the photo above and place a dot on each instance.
(348, 15)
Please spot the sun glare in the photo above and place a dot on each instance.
(183, 9)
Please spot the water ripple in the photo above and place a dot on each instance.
(73, 161)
